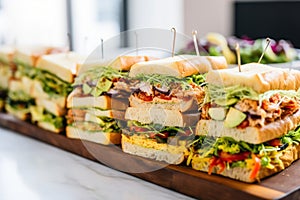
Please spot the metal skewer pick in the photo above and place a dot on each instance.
(194, 33)
(69, 42)
(136, 43)
(102, 49)
(238, 55)
(174, 39)
(263, 53)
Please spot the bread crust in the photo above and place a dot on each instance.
(179, 66)
(288, 156)
(259, 77)
(62, 65)
(49, 127)
(99, 137)
(125, 62)
(251, 135)
(7, 53)
(103, 102)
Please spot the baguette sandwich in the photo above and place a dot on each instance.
(51, 88)
(93, 109)
(19, 95)
(164, 103)
(6, 71)
(249, 119)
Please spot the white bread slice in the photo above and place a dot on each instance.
(116, 114)
(24, 85)
(174, 104)
(102, 102)
(150, 149)
(5, 74)
(30, 54)
(49, 127)
(251, 135)
(94, 136)
(179, 66)
(155, 115)
(259, 77)
(287, 156)
(63, 65)
(37, 92)
(6, 54)
(51, 106)
(22, 114)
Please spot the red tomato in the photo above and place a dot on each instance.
(138, 129)
(163, 135)
(233, 157)
(256, 167)
(275, 142)
(212, 164)
(143, 96)
(165, 97)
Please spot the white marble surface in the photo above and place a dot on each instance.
(33, 170)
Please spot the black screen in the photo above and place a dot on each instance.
(274, 19)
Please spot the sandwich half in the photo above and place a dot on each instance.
(19, 90)
(94, 112)
(164, 103)
(6, 71)
(51, 88)
(249, 119)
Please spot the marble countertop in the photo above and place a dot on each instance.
(30, 169)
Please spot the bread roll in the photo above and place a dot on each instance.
(179, 66)
(251, 135)
(259, 77)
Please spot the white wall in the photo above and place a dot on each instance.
(34, 22)
(163, 14)
(208, 16)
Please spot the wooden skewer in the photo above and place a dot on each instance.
(263, 53)
(174, 39)
(194, 33)
(238, 55)
(102, 48)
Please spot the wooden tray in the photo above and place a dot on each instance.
(284, 185)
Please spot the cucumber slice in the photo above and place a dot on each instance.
(217, 113)
(226, 102)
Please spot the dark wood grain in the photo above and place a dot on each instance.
(284, 185)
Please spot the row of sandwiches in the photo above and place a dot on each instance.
(184, 109)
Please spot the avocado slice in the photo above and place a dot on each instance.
(217, 113)
(226, 102)
(234, 117)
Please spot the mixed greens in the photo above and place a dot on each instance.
(99, 80)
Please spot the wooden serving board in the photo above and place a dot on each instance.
(284, 185)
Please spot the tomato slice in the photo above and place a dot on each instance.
(212, 164)
(233, 157)
(165, 97)
(256, 167)
(143, 96)
(138, 129)
(275, 142)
